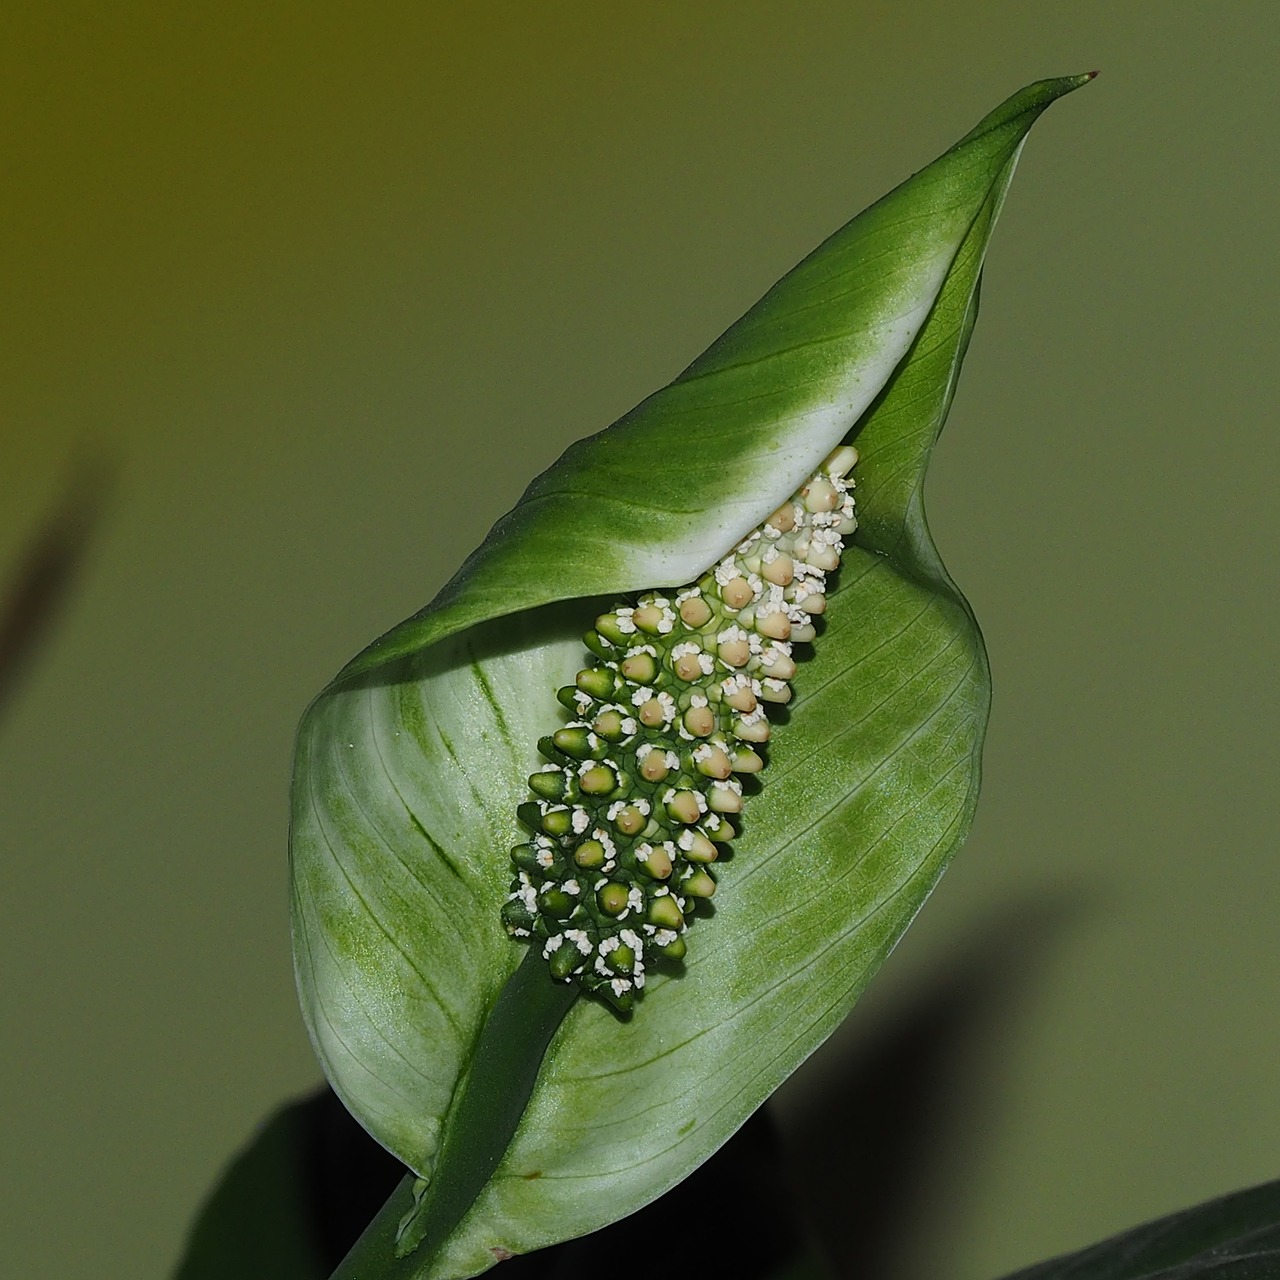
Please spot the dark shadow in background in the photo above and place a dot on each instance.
(731, 1217)
(893, 1111)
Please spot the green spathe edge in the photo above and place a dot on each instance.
(770, 401)
(561, 540)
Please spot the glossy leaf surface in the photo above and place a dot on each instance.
(410, 766)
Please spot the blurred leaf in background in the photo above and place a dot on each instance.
(1236, 1237)
(41, 584)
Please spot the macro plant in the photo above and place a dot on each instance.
(781, 701)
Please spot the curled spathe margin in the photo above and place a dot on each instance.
(867, 331)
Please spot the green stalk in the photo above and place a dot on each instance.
(507, 1057)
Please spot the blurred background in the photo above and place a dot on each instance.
(295, 302)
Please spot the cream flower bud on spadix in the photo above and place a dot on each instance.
(442, 785)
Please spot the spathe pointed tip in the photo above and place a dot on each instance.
(1021, 109)
(1061, 86)
(1064, 84)
(1043, 92)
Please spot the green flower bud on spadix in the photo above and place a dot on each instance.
(597, 780)
(699, 884)
(556, 903)
(673, 950)
(563, 960)
(597, 682)
(612, 898)
(525, 856)
(637, 783)
(557, 820)
(664, 913)
(608, 628)
(575, 741)
(590, 855)
(549, 783)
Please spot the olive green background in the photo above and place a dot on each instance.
(327, 286)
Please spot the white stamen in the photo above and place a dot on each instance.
(580, 940)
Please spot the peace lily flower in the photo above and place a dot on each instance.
(531, 1116)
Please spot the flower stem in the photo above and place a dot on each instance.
(491, 1100)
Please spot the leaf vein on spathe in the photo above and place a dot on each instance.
(892, 758)
(932, 342)
(437, 1002)
(839, 337)
(801, 974)
(921, 867)
(783, 395)
(499, 718)
(814, 957)
(888, 834)
(374, 826)
(413, 712)
(655, 1156)
(627, 1120)
(815, 703)
(853, 799)
(813, 694)
(356, 991)
(634, 1064)
(836, 979)
(905, 441)
(410, 865)
(436, 847)
(447, 743)
(958, 683)
(612, 1123)
(801, 905)
(648, 505)
(347, 1048)
(321, 1006)
(909, 465)
(968, 679)
(827, 286)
